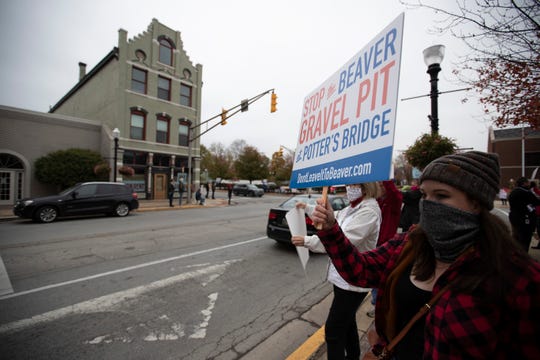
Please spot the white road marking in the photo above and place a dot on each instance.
(200, 332)
(129, 268)
(112, 301)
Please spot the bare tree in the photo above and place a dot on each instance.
(503, 64)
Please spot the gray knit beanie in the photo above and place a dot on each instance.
(474, 172)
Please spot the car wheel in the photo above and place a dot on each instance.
(46, 214)
(121, 210)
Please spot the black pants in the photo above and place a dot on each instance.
(523, 235)
(341, 332)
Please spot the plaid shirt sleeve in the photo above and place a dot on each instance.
(473, 326)
(361, 269)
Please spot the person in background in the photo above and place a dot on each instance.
(181, 189)
(483, 287)
(390, 203)
(170, 192)
(199, 196)
(229, 192)
(207, 187)
(536, 191)
(503, 195)
(523, 212)
(361, 221)
(410, 213)
(213, 189)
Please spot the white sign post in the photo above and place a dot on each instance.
(348, 122)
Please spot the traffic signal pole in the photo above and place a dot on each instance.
(243, 106)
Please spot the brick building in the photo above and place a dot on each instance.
(518, 150)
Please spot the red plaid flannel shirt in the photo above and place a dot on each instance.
(459, 325)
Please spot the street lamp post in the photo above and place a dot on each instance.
(433, 56)
(116, 135)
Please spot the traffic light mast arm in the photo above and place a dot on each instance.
(238, 109)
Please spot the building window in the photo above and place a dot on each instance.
(165, 51)
(138, 80)
(185, 95)
(161, 160)
(162, 130)
(137, 126)
(164, 88)
(183, 134)
(134, 158)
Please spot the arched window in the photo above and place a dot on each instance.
(165, 51)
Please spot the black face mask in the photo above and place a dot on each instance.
(450, 231)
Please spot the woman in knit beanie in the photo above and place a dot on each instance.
(483, 288)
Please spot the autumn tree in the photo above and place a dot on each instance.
(503, 64)
(218, 161)
(281, 166)
(251, 164)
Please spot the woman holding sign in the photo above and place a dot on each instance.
(481, 290)
(361, 222)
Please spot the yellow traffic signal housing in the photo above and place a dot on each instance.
(273, 103)
(223, 117)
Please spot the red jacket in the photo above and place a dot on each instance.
(390, 205)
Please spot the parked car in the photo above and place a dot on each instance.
(247, 190)
(277, 227)
(82, 199)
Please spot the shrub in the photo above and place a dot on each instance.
(65, 168)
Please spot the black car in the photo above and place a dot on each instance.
(82, 199)
(247, 190)
(277, 227)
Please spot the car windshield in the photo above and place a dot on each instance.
(289, 204)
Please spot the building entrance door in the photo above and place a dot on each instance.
(160, 186)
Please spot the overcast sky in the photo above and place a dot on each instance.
(245, 48)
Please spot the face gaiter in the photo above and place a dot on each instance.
(450, 231)
(353, 193)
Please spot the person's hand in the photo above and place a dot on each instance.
(297, 240)
(300, 205)
(323, 215)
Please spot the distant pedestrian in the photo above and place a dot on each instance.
(229, 192)
(536, 191)
(207, 187)
(410, 213)
(199, 197)
(181, 190)
(170, 192)
(213, 189)
(503, 195)
(523, 212)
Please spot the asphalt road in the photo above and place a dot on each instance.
(198, 284)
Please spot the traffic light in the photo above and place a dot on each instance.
(223, 116)
(273, 103)
(244, 105)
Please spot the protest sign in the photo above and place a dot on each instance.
(348, 122)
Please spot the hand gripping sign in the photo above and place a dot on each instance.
(348, 122)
